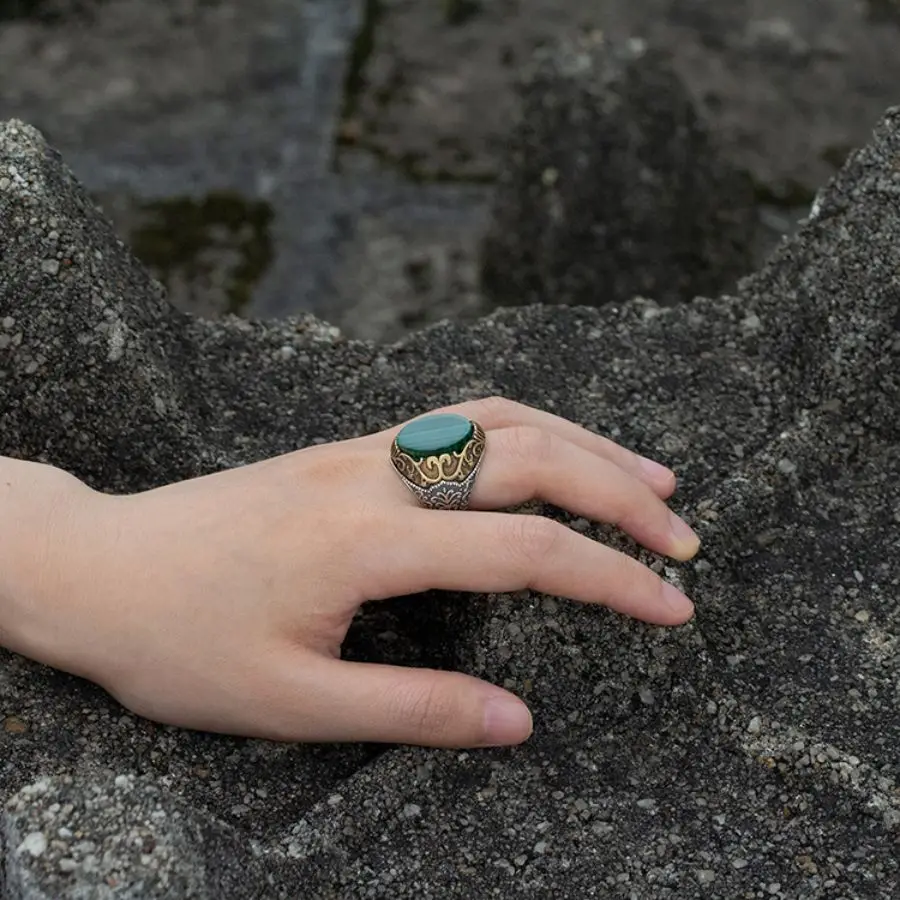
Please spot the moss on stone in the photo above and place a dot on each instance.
(176, 234)
(363, 46)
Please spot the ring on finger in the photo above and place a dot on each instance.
(438, 457)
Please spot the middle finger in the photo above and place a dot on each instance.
(503, 552)
(525, 463)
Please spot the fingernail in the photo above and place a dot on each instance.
(676, 601)
(683, 532)
(655, 470)
(506, 721)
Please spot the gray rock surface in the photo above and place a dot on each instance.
(790, 85)
(119, 837)
(249, 90)
(752, 753)
(164, 105)
(612, 187)
(310, 116)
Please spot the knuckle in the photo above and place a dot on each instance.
(626, 499)
(530, 444)
(620, 508)
(533, 538)
(329, 465)
(639, 507)
(495, 409)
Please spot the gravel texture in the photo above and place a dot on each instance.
(119, 837)
(750, 754)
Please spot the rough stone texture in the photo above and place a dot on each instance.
(206, 129)
(790, 85)
(162, 105)
(612, 187)
(94, 81)
(405, 264)
(752, 753)
(158, 109)
(119, 837)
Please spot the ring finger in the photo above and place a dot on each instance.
(504, 552)
(495, 413)
(526, 463)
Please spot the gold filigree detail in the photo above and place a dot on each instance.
(445, 467)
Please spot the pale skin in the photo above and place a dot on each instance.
(221, 603)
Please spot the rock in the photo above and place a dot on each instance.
(239, 117)
(118, 837)
(98, 375)
(403, 270)
(229, 86)
(789, 86)
(612, 188)
(205, 130)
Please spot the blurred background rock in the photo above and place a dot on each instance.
(341, 156)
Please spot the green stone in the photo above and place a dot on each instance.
(432, 435)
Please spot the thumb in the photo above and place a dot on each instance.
(427, 707)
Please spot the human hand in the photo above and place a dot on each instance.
(221, 603)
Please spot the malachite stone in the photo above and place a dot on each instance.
(433, 435)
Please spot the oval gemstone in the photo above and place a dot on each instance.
(435, 434)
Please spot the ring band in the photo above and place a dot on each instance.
(437, 457)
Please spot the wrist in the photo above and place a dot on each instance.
(39, 506)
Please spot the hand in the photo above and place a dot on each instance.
(221, 603)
